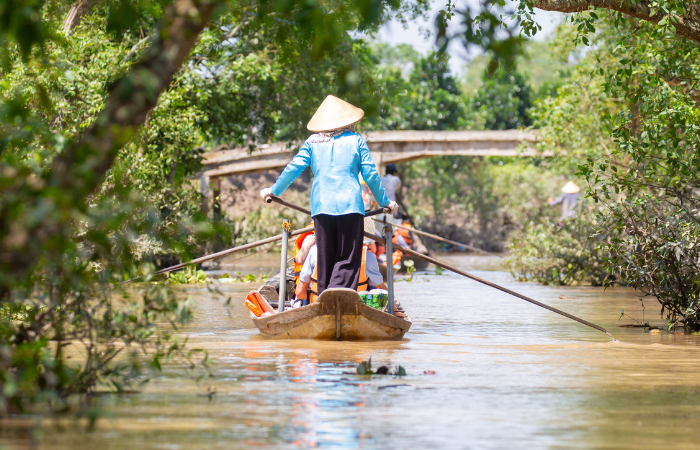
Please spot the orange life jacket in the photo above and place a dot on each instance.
(362, 285)
(406, 234)
(396, 257)
(297, 246)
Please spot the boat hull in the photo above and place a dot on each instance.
(339, 314)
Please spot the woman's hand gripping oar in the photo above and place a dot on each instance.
(226, 252)
(413, 253)
(272, 198)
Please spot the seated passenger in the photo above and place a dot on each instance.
(302, 245)
(370, 276)
(303, 252)
(372, 246)
(302, 289)
(399, 239)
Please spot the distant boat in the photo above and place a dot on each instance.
(339, 314)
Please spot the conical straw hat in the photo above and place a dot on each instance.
(369, 228)
(369, 225)
(570, 188)
(334, 113)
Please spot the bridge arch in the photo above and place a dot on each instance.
(385, 146)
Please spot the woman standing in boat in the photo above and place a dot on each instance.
(337, 155)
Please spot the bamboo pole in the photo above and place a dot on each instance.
(230, 251)
(438, 238)
(283, 266)
(487, 283)
(278, 200)
(389, 233)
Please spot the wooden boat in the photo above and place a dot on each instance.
(339, 314)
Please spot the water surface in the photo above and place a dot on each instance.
(485, 371)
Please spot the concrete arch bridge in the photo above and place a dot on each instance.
(385, 146)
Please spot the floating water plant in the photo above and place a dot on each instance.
(365, 368)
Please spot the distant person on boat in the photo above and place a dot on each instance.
(402, 236)
(337, 155)
(568, 200)
(392, 184)
(369, 278)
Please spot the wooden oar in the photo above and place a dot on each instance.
(482, 281)
(438, 238)
(240, 248)
(408, 251)
(275, 199)
(257, 251)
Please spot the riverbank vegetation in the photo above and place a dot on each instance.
(629, 120)
(624, 119)
(104, 109)
(558, 252)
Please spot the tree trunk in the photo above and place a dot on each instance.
(76, 12)
(686, 26)
(79, 170)
(132, 98)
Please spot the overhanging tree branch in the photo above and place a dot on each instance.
(77, 11)
(80, 169)
(687, 26)
(131, 98)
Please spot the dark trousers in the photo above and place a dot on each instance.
(339, 250)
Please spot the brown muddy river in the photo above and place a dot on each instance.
(507, 374)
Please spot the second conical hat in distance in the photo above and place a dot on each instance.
(570, 188)
(334, 113)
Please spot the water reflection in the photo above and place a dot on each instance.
(506, 374)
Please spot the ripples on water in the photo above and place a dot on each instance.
(507, 375)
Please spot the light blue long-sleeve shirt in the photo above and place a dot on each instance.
(336, 165)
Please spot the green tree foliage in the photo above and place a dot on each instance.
(63, 239)
(540, 64)
(504, 98)
(638, 133)
(572, 122)
(558, 252)
(417, 93)
(650, 181)
(100, 132)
